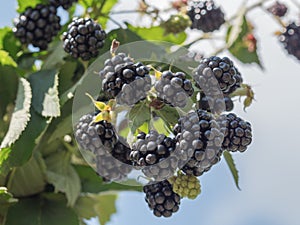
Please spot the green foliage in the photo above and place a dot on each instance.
(232, 167)
(23, 4)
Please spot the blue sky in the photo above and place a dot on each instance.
(269, 170)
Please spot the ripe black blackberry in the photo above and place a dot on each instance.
(290, 39)
(174, 88)
(37, 26)
(237, 132)
(83, 38)
(278, 9)
(177, 23)
(154, 154)
(66, 4)
(205, 15)
(129, 84)
(161, 198)
(199, 138)
(114, 64)
(217, 74)
(111, 153)
(217, 105)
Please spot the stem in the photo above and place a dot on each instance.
(101, 7)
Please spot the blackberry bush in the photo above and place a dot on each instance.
(37, 26)
(199, 138)
(129, 84)
(174, 88)
(290, 39)
(214, 74)
(237, 132)
(205, 15)
(66, 4)
(83, 38)
(161, 198)
(154, 153)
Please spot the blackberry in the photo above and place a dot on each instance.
(205, 15)
(129, 84)
(37, 26)
(114, 64)
(186, 185)
(278, 9)
(177, 23)
(83, 38)
(217, 74)
(290, 39)
(66, 4)
(199, 138)
(154, 153)
(217, 105)
(174, 88)
(161, 198)
(111, 152)
(237, 132)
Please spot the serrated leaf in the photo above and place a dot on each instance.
(63, 176)
(45, 89)
(232, 167)
(21, 114)
(138, 115)
(28, 179)
(6, 60)
(23, 4)
(169, 115)
(42, 210)
(9, 42)
(4, 164)
(157, 33)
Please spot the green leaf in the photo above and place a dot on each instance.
(6, 200)
(232, 167)
(237, 45)
(41, 210)
(92, 183)
(106, 10)
(6, 60)
(4, 165)
(101, 205)
(138, 115)
(86, 3)
(63, 176)
(45, 89)
(21, 114)
(9, 42)
(169, 115)
(28, 179)
(157, 34)
(56, 56)
(23, 4)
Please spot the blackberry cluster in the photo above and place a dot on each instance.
(111, 153)
(217, 105)
(161, 198)
(214, 74)
(290, 39)
(66, 4)
(174, 88)
(154, 154)
(205, 15)
(177, 23)
(37, 26)
(237, 132)
(186, 185)
(278, 9)
(199, 138)
(83, 38)
(115, 64)
(129, 84)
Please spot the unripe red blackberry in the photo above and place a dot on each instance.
(237, 132)
(205, 15)
(37, 26)
(66, 4)
(129, 84)
(161, 198)
(215, 75)
(199, 138)
(83, 38)
(174, 88)
(290, 39)
(154, 154)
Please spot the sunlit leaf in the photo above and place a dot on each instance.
(232, 167)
